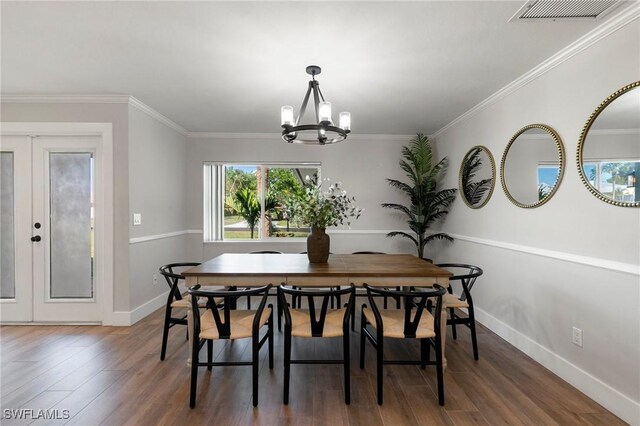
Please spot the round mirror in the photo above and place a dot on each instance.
(532, 166)
(477, 177)
(609, 149)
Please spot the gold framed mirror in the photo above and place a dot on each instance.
(532, 166)
(477, 177)
(608, 156)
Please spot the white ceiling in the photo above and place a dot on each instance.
(399, 68)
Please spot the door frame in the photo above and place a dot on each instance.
(104, 196)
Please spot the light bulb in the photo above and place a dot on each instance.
(324, 111)
(345, 120)
(286, 115)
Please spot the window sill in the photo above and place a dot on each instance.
(262, 241)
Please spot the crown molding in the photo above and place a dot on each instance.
(278, 136)
(136, 103)
(64, 99)
(94, 99)
(612, 25)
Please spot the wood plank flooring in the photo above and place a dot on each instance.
(114, 376)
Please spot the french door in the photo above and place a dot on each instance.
(48, 229)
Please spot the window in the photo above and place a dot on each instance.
(247, 201)
(547, 177)
(615, 179)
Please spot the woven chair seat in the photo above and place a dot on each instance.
(301, 323)
(185, 302)
(241, 323)
(453, 301)
(393, 323)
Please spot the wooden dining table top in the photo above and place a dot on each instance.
(295, 269)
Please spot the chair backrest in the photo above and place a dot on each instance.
(317, 297)
(368, 252)
(265, 252)
(173, 277)
(223, 323)
(415, 303)
(467, 276)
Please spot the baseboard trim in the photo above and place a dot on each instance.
(148, 308)
(627, 268)
(618, 403)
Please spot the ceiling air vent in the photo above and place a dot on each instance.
(567, 9)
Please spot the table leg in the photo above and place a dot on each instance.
(443, 333)
(190, 282)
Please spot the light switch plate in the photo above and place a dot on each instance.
(137, 219)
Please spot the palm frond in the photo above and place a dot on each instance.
(399, 207)
(402, 234)
(438, 236)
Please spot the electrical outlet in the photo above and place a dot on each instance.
(137, 219)
(577, 336)
(155, 279)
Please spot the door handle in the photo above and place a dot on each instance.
(36, 239)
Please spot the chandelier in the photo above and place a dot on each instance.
(322, 131)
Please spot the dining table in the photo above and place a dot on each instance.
(376, 270)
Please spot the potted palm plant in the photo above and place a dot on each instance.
(427, 203)
(320, 208)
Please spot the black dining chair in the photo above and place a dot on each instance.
(360, 292)
(229, 324)
(415, 321)
(318, 321)
(175, 300)
(262, 252)
(466, 274)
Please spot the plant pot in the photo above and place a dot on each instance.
(318, 246)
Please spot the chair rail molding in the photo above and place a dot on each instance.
(627, 268)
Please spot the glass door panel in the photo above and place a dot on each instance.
(7, 228)
(70, 225)
(16, 287)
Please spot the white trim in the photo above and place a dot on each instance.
(330, 231)
(147, 238)
(358, 231)
(155, 114)
(278, 136)
(627, 268)
(104, 269)
(612, 25)
(120, 319)
(94, 99)
(618, 403)
(64, 99)
(148, 308)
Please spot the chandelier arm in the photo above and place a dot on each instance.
(303, 107)
(322, 138)
(316, 101)
(320, 92)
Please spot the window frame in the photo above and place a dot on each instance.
(214, 176)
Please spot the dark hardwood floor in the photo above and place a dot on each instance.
(114, 376)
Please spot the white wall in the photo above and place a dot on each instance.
(157, 190)
(538, 281)
(361, 165)
(95, 113)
